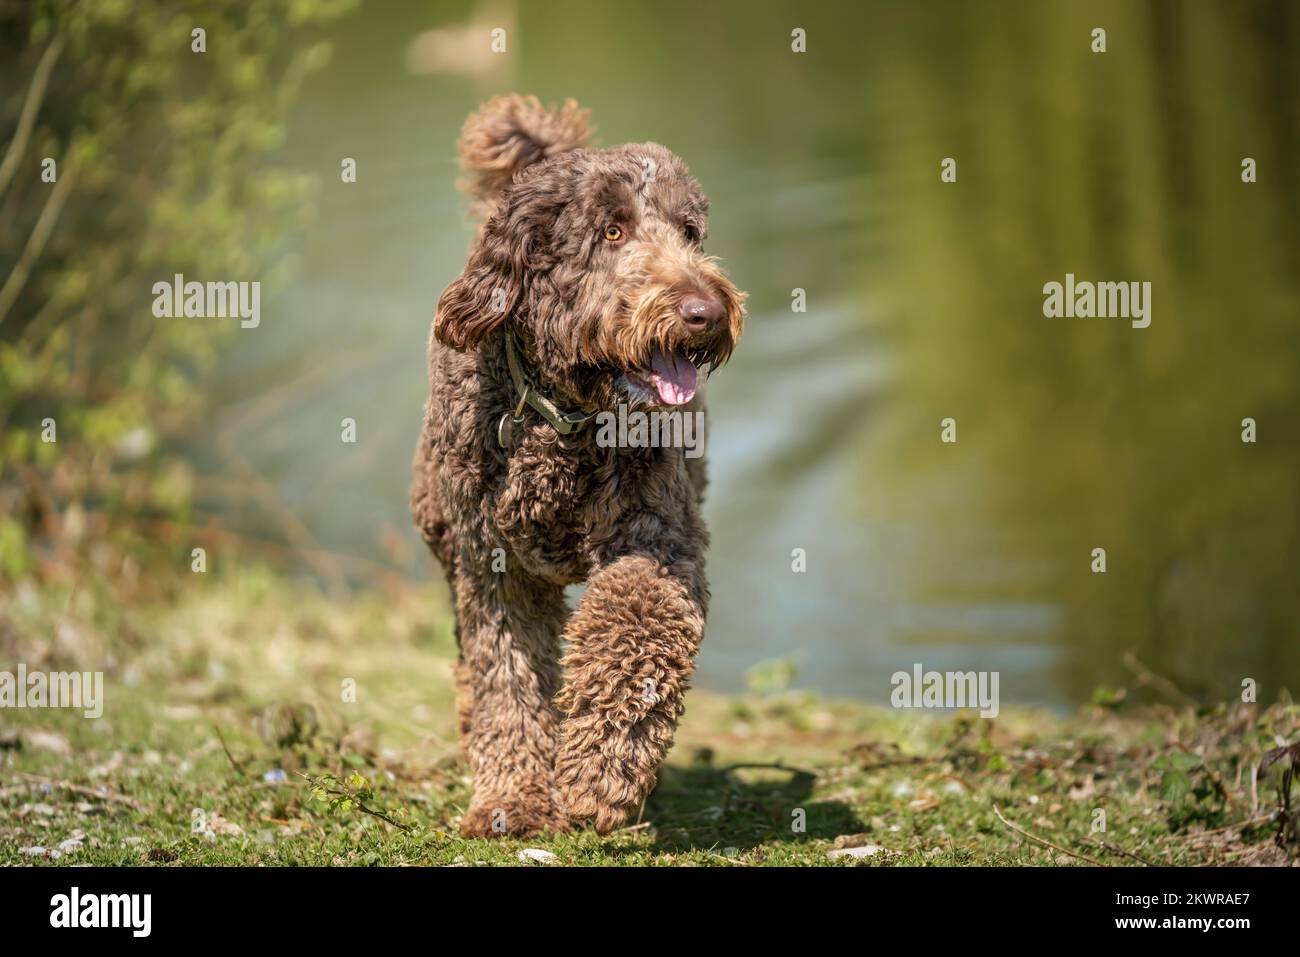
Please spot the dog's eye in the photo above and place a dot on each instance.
(692, 235)
(613, 233)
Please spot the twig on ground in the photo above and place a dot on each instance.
(1039, 840)
(1116, 849)
(735, 862)
(239, 768)
(1197, 835)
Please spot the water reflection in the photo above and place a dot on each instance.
(924, 301)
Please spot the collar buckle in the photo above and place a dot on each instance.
(565, 423)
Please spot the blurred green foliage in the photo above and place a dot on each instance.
(162, 167)
(771, 677)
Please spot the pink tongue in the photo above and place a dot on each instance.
(673, 376)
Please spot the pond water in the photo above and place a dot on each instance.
(924, 302)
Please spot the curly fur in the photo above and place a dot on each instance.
(512, 527)
(511, 132)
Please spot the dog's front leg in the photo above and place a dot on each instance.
(632, 644)
(509, 630)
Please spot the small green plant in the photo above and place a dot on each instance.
(336, 797)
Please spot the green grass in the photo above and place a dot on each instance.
(153, 782)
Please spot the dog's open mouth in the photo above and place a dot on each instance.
(669, 375)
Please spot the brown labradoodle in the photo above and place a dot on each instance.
(587, 288)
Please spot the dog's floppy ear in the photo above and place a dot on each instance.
(508, 134)
(480, 298)
(511, 132)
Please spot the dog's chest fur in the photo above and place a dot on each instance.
(557, 507)
(562, 501)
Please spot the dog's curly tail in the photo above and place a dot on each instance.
(511, 132)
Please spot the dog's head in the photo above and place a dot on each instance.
(594, 258)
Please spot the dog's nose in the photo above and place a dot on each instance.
(701, 313)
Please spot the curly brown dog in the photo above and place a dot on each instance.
(586, 288)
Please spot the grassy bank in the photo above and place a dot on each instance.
(255, 722)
